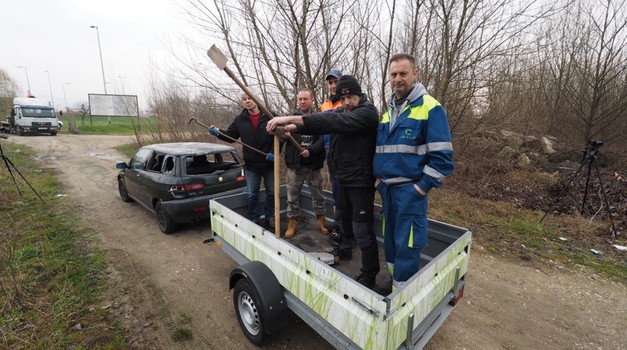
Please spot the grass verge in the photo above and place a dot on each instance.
(51, 275)
(74, 123)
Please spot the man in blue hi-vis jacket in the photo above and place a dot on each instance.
(413, 154)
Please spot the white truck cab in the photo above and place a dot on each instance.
(32, 115)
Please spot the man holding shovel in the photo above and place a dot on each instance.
(352, 149)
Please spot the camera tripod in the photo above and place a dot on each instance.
(10, 167)
(590, 156)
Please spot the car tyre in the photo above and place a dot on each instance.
(123, 191)
(249, 313)
(166, 225)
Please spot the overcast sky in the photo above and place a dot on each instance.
(135, 35)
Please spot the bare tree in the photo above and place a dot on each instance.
(590, 75)
(8, 90)
(280, 46)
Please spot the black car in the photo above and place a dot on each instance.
(176, 180)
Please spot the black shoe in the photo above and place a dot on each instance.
(269, 224)
(370, 283)
(334, 236)
(341, 254)
(332, 226)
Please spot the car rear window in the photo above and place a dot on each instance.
(210, 163)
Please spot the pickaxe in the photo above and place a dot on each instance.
(193, 119)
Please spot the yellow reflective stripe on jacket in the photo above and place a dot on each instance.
(410, 244)
(419, 112)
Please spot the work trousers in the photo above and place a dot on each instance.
(357, 206)
(295, 180)
(404, 228)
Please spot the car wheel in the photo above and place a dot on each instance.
(53, 134)
(248, 310)
(123, 191)
(166, 225)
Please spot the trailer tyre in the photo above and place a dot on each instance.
(249, 311)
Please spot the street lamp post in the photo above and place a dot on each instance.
(50, 87)
(27, 80)
(64, 97)
(104, 81)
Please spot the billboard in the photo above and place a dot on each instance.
(113, 105)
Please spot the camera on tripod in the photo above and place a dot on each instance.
(591, 149)
(589, 158)
(595, 143)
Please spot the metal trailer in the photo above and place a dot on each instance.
(276, 274)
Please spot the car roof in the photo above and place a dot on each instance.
(189, 148)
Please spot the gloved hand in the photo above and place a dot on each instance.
(270, 157)
(214, 131)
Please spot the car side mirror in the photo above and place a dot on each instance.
(121, 165)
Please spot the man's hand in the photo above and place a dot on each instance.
(214, 131)
(305, 153)
(277, 121)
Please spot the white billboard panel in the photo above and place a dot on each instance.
(113, 105)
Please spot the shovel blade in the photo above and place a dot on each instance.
(217, 57)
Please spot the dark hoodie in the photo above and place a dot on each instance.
(352, 143)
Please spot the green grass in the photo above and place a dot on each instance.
(73, 123)
(51, 275)
(128, 149)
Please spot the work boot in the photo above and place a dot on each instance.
(321, 223)
(334, 236)
(269, 224)
(339, 254)
(291, 228)
(369, 282)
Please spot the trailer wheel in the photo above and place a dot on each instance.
(248, 309)
(166, 225)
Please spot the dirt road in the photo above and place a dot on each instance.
(163, 282)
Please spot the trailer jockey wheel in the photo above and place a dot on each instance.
(249, 311)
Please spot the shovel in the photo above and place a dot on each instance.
(220, 61)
